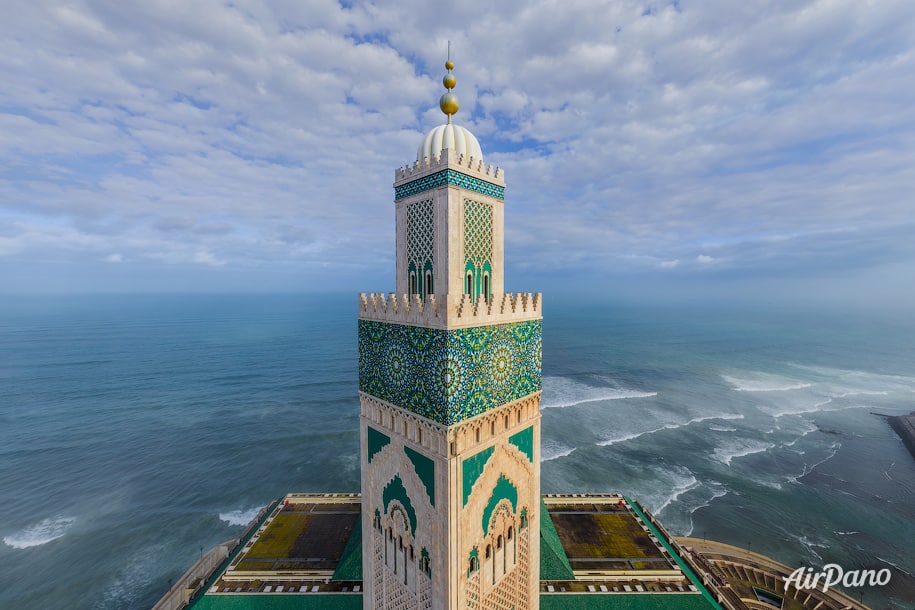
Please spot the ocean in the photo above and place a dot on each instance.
(138, 431)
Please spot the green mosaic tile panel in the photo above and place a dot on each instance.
(425, 470)
(472, 468)
(375, 442)
(450, 375)
(524, 441)
(450, 177)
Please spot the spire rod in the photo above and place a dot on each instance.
(449, 101)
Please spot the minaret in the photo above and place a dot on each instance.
(449, 386)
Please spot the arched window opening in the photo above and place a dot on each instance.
(492, 428)
(510, 533)
(499, 542)
(486, 286)
(469, 283)
(412, 283)
(428, 283)
(478, 434)
(488, 551)
(506, 422)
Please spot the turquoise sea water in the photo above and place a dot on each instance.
(136, 431)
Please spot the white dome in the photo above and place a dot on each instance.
(451, 136)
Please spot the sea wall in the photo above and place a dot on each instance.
(904, 425)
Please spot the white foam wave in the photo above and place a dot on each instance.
(552, 451)
(833, 450)
(696, 420)
(890, 563)
(811, 546)
(719, 492)
(722, 429)
(739, 448)
(861, 381)
(40, 533)
(240, 517)
(680, 489)
(764, 382)
(838, 533)
(561, 392)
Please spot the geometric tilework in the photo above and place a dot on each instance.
(477, 233)
(449, 176)
(450, 375)
(420, 241)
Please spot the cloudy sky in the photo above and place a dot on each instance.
(235, 146)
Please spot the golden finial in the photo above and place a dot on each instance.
(449, 102)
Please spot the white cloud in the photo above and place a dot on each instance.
(266, 132)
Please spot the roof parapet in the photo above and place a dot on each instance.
(442, 312)
(448, 157)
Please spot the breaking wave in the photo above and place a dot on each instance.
(40, 533)
(240, 517)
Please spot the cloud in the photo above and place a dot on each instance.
(258, 134)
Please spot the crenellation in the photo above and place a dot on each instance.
(444, 313)
(447, 158)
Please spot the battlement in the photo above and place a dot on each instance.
(449, 159)
(445, 313)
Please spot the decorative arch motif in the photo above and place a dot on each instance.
(504, 490)
(395, 490)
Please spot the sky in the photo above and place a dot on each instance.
(702, 149)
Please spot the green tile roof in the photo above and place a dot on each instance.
(554, 564)
(350, 565)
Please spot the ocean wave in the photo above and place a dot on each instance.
(740, 448)
(40, 533)
(552, 451)
(717, 492)
(561, 392)
(890, 563)
(765, 382)
(696, 420)
(722, 429)
(861, 381)
(240, 517)
(679, 490)
(833, 450)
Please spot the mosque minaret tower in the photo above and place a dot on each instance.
(449, 386)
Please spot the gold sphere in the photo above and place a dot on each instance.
(449, 65)
(449, 81)
(449, 103)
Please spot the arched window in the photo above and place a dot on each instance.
(412, 283)
(492, 428)
(478, 434)
(510, 533)
(488, 551)
(486, 286)
(474, 565)
(499, 542)
(469, 283)
(428, 283)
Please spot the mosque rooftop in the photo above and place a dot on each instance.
(597, 551)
